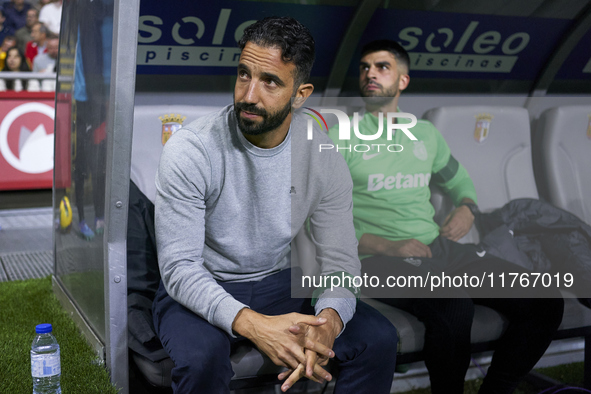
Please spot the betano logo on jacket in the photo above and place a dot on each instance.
(399, 181)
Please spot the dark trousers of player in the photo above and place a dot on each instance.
(365, 353)
(532, 322)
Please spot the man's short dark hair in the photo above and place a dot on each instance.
(391, 46)
(289, 35)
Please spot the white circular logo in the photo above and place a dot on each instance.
(36, 154)
(420, 150)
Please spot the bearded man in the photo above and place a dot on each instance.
(228, 206)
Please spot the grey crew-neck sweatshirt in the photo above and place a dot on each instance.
(227, 210)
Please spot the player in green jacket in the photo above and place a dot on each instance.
(397, 235)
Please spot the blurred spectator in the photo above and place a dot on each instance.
(16, 13)
(39, 3)
(7, 43)
(23, 35)
(37, 43)
(51, 16)
(5, 30)
(15, 61)
(45, 62)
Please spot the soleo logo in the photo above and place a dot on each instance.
(185, 53)
(345, 129)
(446, 49)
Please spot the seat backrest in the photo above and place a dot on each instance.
(493, 144)
(149, 124)
(563, 158)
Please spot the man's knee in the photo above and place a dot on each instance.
(202, 368)
(202, 361)
(199, 350)
(378, 334)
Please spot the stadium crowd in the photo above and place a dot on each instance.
(29, 36)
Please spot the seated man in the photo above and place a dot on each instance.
(45, 62)
(393, 220)
(228, 206)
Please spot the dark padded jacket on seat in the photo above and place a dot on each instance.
(541, 237)
(143, 276)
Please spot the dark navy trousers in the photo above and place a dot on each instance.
(365, 353)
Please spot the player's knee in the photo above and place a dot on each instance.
(549, 310)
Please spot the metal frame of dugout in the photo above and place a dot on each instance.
(93, 134)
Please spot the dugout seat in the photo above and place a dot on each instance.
(250, 367)
(562, 158)
(499, 161)
(493, 144)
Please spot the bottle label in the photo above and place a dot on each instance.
(44, 365)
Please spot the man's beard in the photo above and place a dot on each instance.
(268, 123)
(378, 98)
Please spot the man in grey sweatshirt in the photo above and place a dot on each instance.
(233, 189)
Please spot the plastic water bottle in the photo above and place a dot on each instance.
(45, 362)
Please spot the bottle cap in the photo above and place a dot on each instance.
(43, 328)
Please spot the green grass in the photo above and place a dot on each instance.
(23, 305)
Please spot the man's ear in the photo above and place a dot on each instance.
(302, 93)
(403, 82)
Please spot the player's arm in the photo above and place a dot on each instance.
(454, 180)
(459, 221)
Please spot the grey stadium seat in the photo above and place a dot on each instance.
(493, 143)
(499, 162)
(563, 158)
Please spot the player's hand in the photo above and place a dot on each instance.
(457, 224)
(318, 342)
(272, 336)
(408, 248)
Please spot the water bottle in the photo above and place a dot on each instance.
(45, 362)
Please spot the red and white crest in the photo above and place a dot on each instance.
(170, 124)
